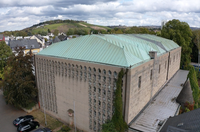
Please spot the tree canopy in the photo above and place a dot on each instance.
(196, 45)
(180, 33)
(55, 32)
(5, 52)
(19, 86)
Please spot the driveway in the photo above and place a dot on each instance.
(7, 114)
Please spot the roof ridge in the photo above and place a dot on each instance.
(125, 57)
(107, 41)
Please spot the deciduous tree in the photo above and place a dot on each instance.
(180, 33)
(5, 52)
(56, 32)
(19, 86)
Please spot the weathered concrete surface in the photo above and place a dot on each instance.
(7, 114)
(163, 105)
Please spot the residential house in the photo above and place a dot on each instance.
(39, 39)
(28, 44)
(186, 122)
(50, 34)
(2, 38)
(7, 39)
(56, 39)
(27, 37)
(47, 37)
(62, 34)
(62, 37)
(19, 37)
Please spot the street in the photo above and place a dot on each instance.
(7, 114)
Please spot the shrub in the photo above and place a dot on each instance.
(108, 127)
(64, 129)
(30, 105)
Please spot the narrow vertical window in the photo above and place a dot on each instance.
(174, 58)
(151, 75)
(159, 68)
(139, 81)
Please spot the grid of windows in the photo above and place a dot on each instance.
(100, 97)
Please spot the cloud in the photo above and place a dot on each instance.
(59, 3)
(102, 12)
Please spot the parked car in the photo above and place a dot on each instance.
(28, 126)
(21, 119)
(43, 130)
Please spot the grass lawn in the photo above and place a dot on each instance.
(52, 123)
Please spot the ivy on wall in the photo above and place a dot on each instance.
(117, 119)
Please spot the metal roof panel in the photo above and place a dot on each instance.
(119, 50)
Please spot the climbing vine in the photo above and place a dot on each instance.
(117, 119)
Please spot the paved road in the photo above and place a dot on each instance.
(7, 114)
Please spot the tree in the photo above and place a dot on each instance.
(103, 31)
(118, 31)
(49, 31)
(19, 88)
(5, 52)
(70, 31)
(196, 45)
(180, 33)
(194, 85)
(56, 32)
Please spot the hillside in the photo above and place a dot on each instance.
(64, 26)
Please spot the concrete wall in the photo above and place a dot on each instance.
(93, 97)
(63, 84)
(137, 97)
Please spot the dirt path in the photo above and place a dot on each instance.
(82, 24)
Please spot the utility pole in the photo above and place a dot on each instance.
(74, 117)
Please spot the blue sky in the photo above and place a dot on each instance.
(19, 14)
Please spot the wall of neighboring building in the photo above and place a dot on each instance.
(66, 83)
(138, 95)
(34, 51)
(38, 40)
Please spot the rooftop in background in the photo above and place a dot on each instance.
(28, 43)
(186, 122)
(2, 37)
(163, 105)
(123, 50)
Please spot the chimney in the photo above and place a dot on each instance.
(153, 54)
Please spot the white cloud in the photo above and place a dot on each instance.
(19, 14)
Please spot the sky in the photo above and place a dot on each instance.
(20, 14)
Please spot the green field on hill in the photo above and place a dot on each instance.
(64, 27)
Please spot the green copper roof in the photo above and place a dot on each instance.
(122, 50)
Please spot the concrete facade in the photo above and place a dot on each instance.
(161, 70)
(88, 88)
